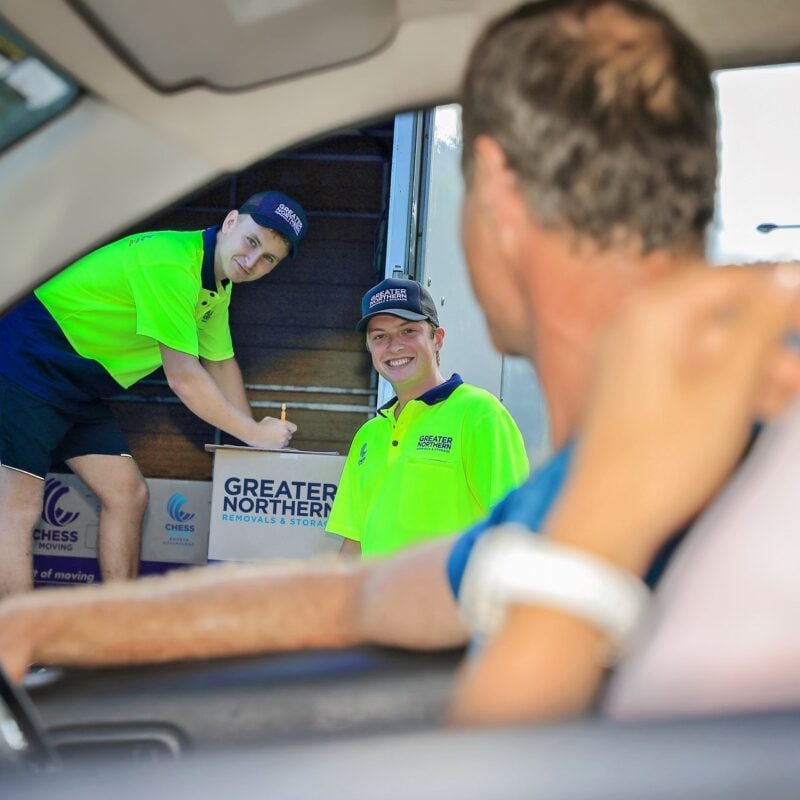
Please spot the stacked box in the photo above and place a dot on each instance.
(271, 503)
(175, 526)
(174, 529)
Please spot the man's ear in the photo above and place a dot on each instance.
(438, 339)
(498, 192)
(230, 220)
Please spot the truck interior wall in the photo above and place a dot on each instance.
(294, 328)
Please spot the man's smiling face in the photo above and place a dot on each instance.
(245, 250)
(404, 351)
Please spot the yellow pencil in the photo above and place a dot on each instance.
(283, 412)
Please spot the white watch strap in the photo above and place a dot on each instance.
(511, 564)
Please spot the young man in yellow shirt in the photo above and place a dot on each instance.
(439, 454)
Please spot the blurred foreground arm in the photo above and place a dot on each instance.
(236, 609)
(689, 364)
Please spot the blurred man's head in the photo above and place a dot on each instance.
(605, 112)
(589, 158)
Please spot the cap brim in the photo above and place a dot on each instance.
(400, 312)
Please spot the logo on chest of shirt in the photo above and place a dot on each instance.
(435, 444)
(207, 316)
(362, 454)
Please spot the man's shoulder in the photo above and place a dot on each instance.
(475, 398)
(180, 247)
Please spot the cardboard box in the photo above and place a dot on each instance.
(65, 538)
(175, 526)
(174, 529)
(271, 503)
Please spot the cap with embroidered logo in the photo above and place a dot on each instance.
(399, 297)
(278, 212)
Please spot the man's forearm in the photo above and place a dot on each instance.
(198, 391)
(228, 377)
(223, 405)
(237, 609)
(558, 658)
(202, 613)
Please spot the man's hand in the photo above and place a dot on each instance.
(687, 367)
(684, 370)
(271, 432)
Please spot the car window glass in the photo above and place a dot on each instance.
(31, 90)
(759, 170)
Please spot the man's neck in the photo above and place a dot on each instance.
(406, 394)
(572, 315)
(219, 272)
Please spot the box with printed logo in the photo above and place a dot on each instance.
(65, 537)
(271, 503)
(175, 525)
(174, 529)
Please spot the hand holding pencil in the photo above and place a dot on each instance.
(272, 432)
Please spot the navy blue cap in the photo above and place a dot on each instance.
(280, 213)
(399, 297)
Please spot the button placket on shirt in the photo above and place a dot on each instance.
(396, 427)
(401, 426)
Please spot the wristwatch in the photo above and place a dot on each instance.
(510, 564)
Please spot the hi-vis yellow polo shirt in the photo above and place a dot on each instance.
(117, 304)
(453, 453)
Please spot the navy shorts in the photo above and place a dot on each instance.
(35, 434)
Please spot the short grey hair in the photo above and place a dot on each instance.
(606, 114)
